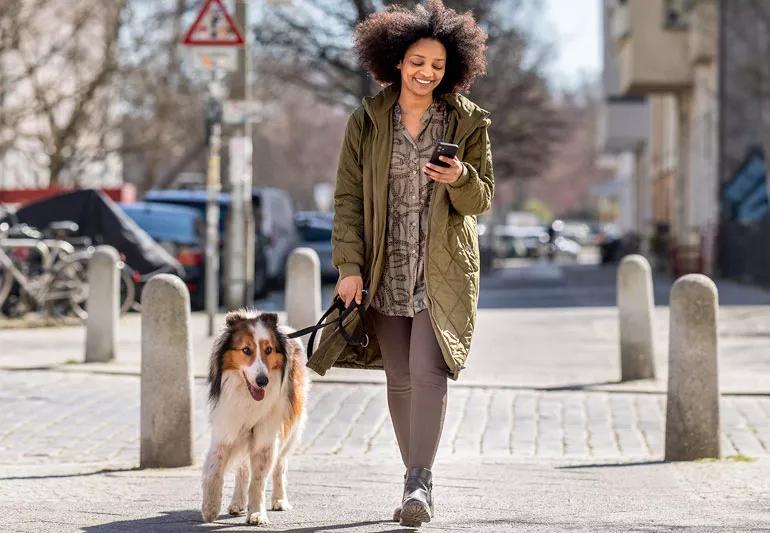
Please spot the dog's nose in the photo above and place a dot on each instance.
(262, 381)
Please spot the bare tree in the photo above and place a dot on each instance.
(57, 62)
(89, 89)
(162, 126)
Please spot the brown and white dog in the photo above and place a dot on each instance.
(258, 391)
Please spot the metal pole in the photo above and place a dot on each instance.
(213, 186)
(244, 64)
(239, 248)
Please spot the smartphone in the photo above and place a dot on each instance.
(447, 150)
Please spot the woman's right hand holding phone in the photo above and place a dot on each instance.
(350, 288)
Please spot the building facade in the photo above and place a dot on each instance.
(622, 141)
(666, 51)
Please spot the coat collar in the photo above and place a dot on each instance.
(469, 115)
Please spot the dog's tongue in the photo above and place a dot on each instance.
(257, 393)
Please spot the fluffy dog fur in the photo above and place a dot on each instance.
(258, 391)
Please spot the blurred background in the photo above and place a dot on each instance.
(619, 126)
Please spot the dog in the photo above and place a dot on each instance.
(258, 386)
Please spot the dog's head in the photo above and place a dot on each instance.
(251, 345)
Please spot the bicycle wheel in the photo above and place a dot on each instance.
(69, 287)
(127, 291)
(72, 278)
(6, 281)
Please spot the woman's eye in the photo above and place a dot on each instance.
(247, 350)
(416, 64)
(438, 67)
(268, 350)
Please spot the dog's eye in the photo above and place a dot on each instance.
(246, 350)
(268, 350)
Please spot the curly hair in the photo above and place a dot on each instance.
(383, 39)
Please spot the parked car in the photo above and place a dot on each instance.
(579, 232)
(274, 211)
(518, 241)
(276, 236)
(315, 231)
(180, 231)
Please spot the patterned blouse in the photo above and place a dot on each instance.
(402, 289)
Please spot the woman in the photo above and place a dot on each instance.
(405, 229)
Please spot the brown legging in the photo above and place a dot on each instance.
(417, 384)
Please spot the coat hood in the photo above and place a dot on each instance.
(469, 115)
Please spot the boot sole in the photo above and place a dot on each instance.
(414, 513)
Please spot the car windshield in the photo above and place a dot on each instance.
(164, 225)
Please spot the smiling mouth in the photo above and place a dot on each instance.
(422, 82)
(258, 393)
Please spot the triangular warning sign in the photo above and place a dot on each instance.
(213, 27)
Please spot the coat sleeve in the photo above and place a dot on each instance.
(472, 193)
(348, 228)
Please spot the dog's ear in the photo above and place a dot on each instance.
(234, 318)
(270, 320)
(221, 345)
(283, 346)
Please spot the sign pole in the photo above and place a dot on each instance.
(213, 187)
(214, 39)
(239, 248)
(244, 62)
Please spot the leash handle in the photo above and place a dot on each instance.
(362, 340)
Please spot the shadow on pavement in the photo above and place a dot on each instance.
(611, 465)
(578, 386)
(189, 519)
(79, 474)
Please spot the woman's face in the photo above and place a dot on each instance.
(423, 66)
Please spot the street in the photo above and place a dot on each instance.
(539, 435)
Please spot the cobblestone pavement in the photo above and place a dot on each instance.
(52, 417)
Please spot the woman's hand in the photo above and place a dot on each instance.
(448, 174)
(351, 287)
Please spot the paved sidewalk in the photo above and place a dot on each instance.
(54, 417)
(357, 495)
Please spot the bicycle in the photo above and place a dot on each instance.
(48, 275)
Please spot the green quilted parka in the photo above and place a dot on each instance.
(452, 250)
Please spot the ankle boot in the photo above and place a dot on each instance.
(397, 510)
(417, 506)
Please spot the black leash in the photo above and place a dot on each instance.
(362, 341)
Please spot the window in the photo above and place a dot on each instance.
(676, 14)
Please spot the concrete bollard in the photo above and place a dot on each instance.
(166, 420)
(692, 411)
(635, 308)
(303, 288)
(103, 305)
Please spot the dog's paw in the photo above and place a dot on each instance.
(258, 519)
(236, 509)
(209, 513)
(281, 505)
